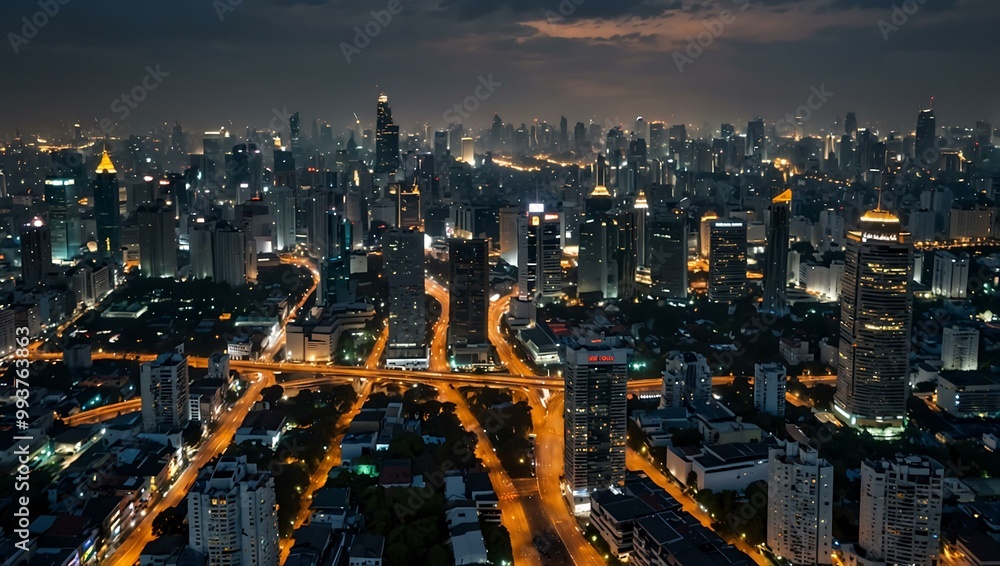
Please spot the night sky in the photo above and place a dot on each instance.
(605, 60)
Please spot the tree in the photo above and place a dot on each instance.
(273, 394)
(170, 522)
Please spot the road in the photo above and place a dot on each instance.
(635, 462)
(439, 335)
(128, 551)
(375, 356)
(103, 413)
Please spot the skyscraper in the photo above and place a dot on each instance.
(769, 383)
(233, 515)
(687, 379)
(951, 275)
(164, 388)
(926, 136)
(107, 212)
(597, 272)
(901, 501)
(234, 255)
(404, 268)
(799, 505)
(509, 216)
(667, 254)
(727, 263)
(960, 348)
(61, 198)
(408, 207)
(539, 255)
(776, 262)
(469, 285)
(335, 263)
(756, 140)
(36, 252)
(875, 316)
(386, 139)
(596, 379)
(157, 241)
(281, 202)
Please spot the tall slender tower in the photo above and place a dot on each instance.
(926, 134)
(776, 264)
(875, 316)
(36, 252)
(386, 139)
(107, 212)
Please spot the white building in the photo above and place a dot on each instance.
(164, 388)
(466, 540)
(951, 275)
(769, 388)
(687, 378)
(901, 510)
(232, 514)
(960, 349)
(800, 505)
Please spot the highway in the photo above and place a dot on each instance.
(439, 334)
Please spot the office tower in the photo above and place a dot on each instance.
(36, 252)
(335, 260)
(776, 261)
(284, 169)
(469, 285)
(62, 200)
(509, 216)
(926, 137)
(951, 275)
(281, 202)
(677, 138)
(641, 209)
(233, 515)
(440, 145)
(295, 136)
(799, 505)
(876, 300)
(769, 381)
(851, 125)
(705, 235)
(469, 151)
(687, 379)
(597, 272)
(245, 172)
(386, 139)
(404, 269)
(563, 134)
(539, 255)
(107, 213)
(755, 140)
(667, 254)
(579, 136)
(596, 379)
(234, 255)
(408, 207)
(960, 348)
(727, 264)
(901, 502)
(157, 241)
(214, 144)
(164, 389)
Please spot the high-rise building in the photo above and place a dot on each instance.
(596, 380)
(901, 501)
(539, 255)
(687, 380)
(61, 198)
(408, 207)
(769, 382)
(776, 261)
(164, 388)
(799, 505)
(36, 252)
(233, 514)
(404, 269)
(214, 144)
(469, 151)
(667, 254)
(951, 275)
(107, 211)
(281, 202)
(960, 348)
(386, 139)
(469, 286)
(335, 261)
(926, 136)
(597, 272)
(234, 255)
(509, 216)
(157, 241)
(756, 140)
(875, 316)
(727, 262)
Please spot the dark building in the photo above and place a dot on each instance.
(469, 284)
(36, 252)
(776, 261)
(107, 212)
(335, 265)
(386, 139)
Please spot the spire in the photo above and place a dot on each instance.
(106, 165)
